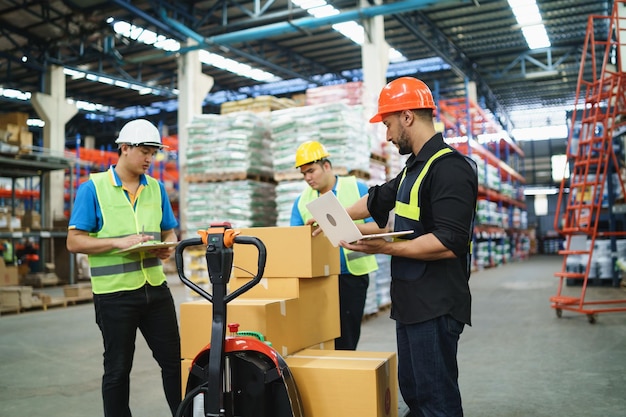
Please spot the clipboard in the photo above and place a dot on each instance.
(146, 246)
(336, 223)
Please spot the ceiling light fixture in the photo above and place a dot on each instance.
(529, 20)
(351, 30)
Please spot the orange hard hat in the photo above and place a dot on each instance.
(310, 151)
(405, 93)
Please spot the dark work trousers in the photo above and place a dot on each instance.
(352, 293)
(427, 367)
(119, 315)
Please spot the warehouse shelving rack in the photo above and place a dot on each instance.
(601, 103)
(27, 166)
(464, 121)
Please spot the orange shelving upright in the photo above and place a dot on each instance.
(599, 116)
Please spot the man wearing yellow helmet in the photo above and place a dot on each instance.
(312, 160)
(434, 195)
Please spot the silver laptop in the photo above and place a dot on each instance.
(336, 223)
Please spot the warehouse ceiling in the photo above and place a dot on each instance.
(446, 44)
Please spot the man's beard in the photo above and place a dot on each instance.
(404, 147)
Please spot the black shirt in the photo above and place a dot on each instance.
(447, 200)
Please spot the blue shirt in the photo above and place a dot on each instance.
(87, 216)
(296, 218)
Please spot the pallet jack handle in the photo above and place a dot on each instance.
(219, 240)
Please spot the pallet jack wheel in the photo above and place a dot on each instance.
(591, 318)
(559, 312)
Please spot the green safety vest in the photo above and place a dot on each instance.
(111, 272)
(358, 263)
(411, 210)
(7, 253)
(408, 215)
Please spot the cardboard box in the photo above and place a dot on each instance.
(32, 220)
(15, 118)
(318, 304)
(26, 140)
(78, 291)
(14, 133)
(327, 345)
(185, 366)
(275, 319)
(291, 252)
(16, 297)
(8, 274)
(346, 383)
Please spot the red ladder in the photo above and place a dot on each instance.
(601, 105)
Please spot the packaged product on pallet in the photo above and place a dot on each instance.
(245, 203)
(232, 146)
(382, 280)
(286, 194)
(348, 93)
(339, 127)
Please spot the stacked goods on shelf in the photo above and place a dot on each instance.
(164, 167)
(14, 134)
(378, 295)
(229, 171)
(231, 146)
(244, 203)
(348, 93)
(286, 194)
(195, 268)
(501, 233)
(258, 104)
(340, 128)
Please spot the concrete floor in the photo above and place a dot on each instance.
(517, 360)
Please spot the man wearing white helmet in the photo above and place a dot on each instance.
(115, 210)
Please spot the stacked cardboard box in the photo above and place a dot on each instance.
(8, 274)
(14, 131)
(296, 307)
(15, 298)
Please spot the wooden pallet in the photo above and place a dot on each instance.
(360, 174)
(77, 299)
(228, 176)
(292, 175)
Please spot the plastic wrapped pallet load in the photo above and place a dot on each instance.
(245, 203)
(339, 127)
(286, 194)
(223, 145)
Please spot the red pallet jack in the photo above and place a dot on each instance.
(238, 375)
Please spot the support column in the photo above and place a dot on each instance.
(55, 111)
(375, 59)
(193, 86)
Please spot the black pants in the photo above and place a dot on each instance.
(352, 294)
(119, 315)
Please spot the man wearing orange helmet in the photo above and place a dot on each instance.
(434, 195)
(312, 159)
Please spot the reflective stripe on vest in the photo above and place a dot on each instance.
(411, 210)
(112, 272)
(358, 263)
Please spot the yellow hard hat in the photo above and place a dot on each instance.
(310, 151)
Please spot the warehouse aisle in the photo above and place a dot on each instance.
(517, 360)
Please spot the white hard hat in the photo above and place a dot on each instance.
(140, 132)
